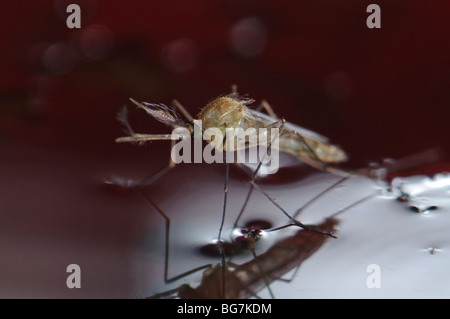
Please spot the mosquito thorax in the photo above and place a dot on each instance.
(223, 112)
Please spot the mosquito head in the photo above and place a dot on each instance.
(224, 112)
(163, 114)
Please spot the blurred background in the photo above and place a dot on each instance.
(378, 93)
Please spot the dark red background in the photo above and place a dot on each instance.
(376, 92)
(397, 78)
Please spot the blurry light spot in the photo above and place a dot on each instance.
(249, 37)
(180, 56)
(59, 58)
(96, 41)
(39, 88)
(338, 85)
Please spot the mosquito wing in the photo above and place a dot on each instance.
(308, 146)
(261, 117)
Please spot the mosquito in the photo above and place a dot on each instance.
(232, 111)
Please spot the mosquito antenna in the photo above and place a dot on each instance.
(122, 116)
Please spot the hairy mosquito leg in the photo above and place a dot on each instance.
(122, 116)
(244, 206)
(293, 221)
(167, 245)
(312, 200)
(309, 202)
(315, 198)
(140, 138)
(147, 181)
(280, 124)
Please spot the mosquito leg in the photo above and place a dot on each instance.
(183, 111)
(139, 138)
(253, 184)
(269, 109)
(312, 200)
(166, 248)
(244, 206)
(293, 221)
(155, 176)
(219, 236)
(264, 276)
(312, 152)
(122, 116)
(131, 184)
(280, 124)
(164, 294)
(315, 198)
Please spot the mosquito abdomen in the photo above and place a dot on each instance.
(309, 148)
